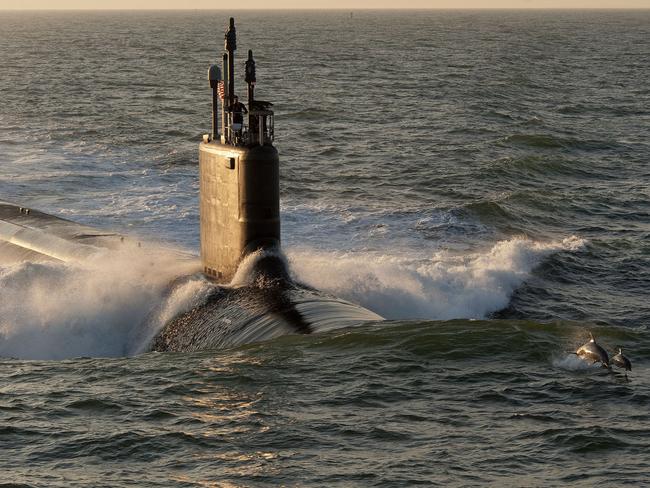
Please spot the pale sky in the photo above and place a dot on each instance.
(321, 4)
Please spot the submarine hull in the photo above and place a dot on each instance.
(231, 317)
(264, 303)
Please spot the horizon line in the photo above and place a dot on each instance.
(369, 9)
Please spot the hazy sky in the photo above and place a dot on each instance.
(342, 4)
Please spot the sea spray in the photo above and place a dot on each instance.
(181, 297)
(572, 362)
(93, 307)
(261, 268)
(442, 287)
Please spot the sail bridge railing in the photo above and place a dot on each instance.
(259, 130)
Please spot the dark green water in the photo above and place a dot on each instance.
(478, 178)
(458, 402)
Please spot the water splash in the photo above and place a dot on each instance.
(442, 287)
(103, 306)
(572, 362)
(87, 308)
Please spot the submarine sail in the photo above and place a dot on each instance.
(239, 171)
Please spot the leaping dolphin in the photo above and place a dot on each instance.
(592, 351)
(621, 361)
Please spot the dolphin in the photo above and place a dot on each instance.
(592, 351)
(621, 361)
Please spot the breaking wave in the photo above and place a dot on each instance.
(114, 304)
(443, 287)
(88, 308)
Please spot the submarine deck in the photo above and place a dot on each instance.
(27, 234)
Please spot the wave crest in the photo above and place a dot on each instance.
(443, 287)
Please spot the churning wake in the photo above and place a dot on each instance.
(104, 306)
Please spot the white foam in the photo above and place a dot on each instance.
(440, 287)
(96, 307)
(572, 362)
(183, 298)
(85, 308)
(245, 274)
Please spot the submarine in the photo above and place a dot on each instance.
(252, 296)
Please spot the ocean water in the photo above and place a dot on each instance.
(479, 178)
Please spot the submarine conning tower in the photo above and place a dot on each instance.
(238, 170)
